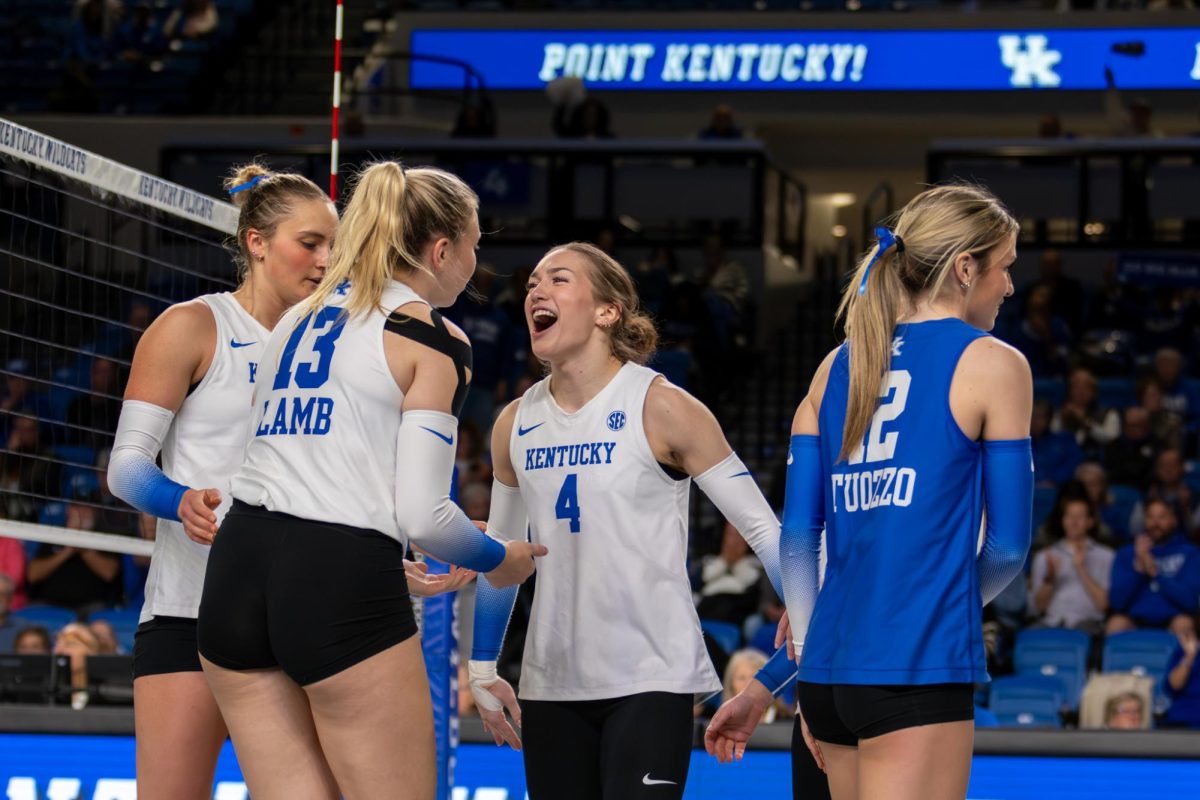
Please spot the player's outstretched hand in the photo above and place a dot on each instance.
(814, 746)
(422, 584)
(517, 565)
(734, 722)
(197, 513)
(493, 697)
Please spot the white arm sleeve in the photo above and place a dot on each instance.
(425, 450)
(736, 495)
(133, 473)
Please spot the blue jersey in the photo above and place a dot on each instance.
(901, 600)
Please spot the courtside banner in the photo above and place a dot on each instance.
(818, 60)
(56, 155)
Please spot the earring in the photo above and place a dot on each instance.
(965, 284)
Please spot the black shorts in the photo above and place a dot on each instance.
(163, 645)
(844, 713)
(638, 746)
(311, 598)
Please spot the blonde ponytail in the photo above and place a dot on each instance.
(935, 227)
(392, 215)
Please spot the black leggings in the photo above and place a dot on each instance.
(808, 781)
(632, 747)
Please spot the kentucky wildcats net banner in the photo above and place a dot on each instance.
(897, 60)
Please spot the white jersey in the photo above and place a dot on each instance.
(612, 611)
(326, 417)
(202, 449)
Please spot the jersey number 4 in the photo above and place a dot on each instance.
(567, 505)
(309, 376)
(880, 446)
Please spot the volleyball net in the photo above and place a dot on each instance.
(91, 252)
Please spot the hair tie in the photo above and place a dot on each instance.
(250, 184)
(887, 240)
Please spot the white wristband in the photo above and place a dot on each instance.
(480, 676)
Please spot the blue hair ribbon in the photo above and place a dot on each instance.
(887, 240)
(250, 184)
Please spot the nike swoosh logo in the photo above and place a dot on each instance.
(740, 474)
(442, 436)
(522, 431)
(647, 780)
(236, 343)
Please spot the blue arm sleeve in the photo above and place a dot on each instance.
(1008, 492)
(133, 474)
(778, 672)
(493, 608)
(800, 537)
(507, 521)
(1125, 581)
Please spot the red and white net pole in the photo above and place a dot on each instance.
(337, 102)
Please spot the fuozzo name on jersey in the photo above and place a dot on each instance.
(860, 491)
(293, 416)
(569, 455)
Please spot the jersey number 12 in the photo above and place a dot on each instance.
(881, 446)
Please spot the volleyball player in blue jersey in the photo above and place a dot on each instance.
(914, 436)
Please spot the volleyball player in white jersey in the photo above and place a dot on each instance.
(306, 630)
(189, 394)
(598, 458)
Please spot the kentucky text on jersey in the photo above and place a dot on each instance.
(303, 415)
(569, 455)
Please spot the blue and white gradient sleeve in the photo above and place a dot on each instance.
(425, 451)
(800, 536)
(133, 472)
(732, 489)
(1008, 494)
(507, 522)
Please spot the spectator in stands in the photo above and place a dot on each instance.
(1069, 581)
(653, 276)
(1129, 459)
(1066, 294)
(1183, 682)
(8, 628)
(12, 566)
(1115, 303)
(1125, 712)
(476, 119)
(26, 471)
(79, 579)
(729, 580)
(106, 637)
(1166, 427)
(90, 39)
(1081, 415)
(77, 642)
(138, 40)
(473, 467)
(94, 415)
(1168, 485)
(722, 125)
(1050, 126)
(1043, 337)
(194, 19)
(491, 333)
(1168, 371)
(1055, 455)
(1168, 322)
(590, 119)
(32, 640)
(1156, 580)
(1114, 519)
(20, 396)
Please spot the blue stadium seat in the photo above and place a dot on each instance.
(985, 718)
(1052, 390)
(50, 617)
(1144, 652)
(727, 635)
(124, 622)
(1026, 701)
(1116, 393)
(1059, 653)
